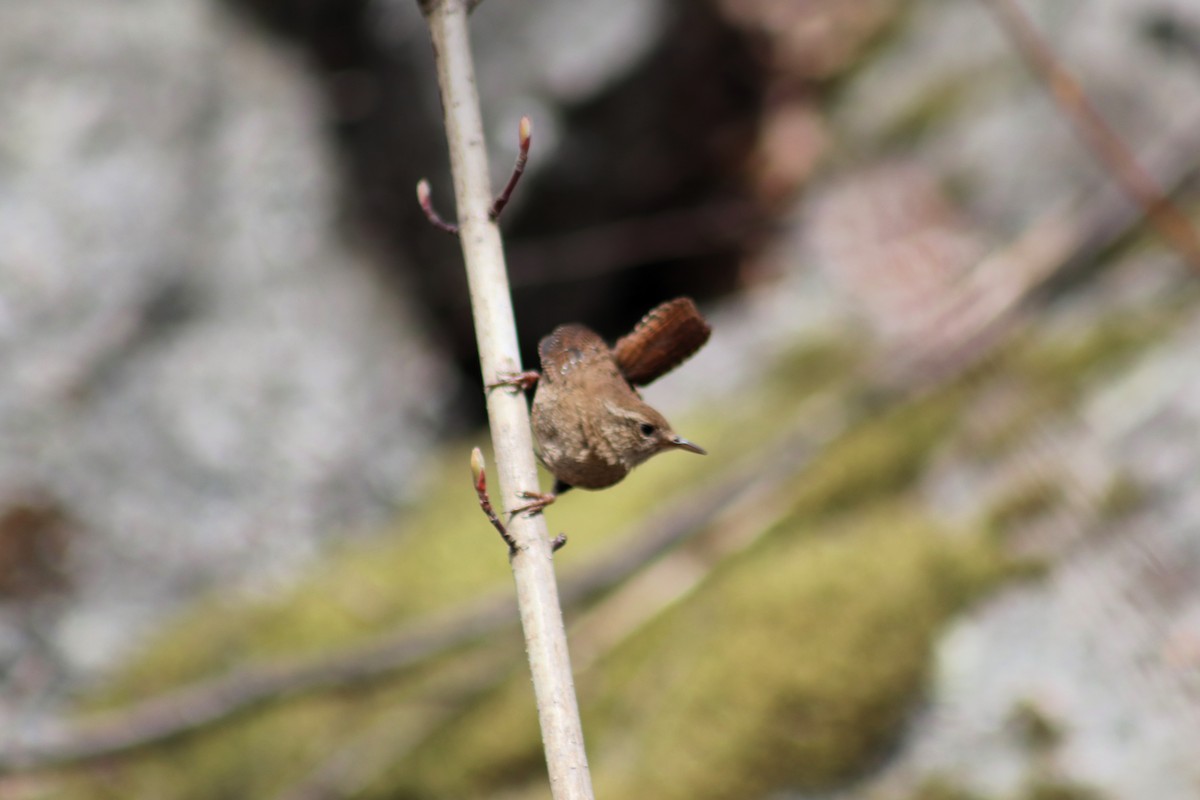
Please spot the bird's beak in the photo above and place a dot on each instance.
(684, 444)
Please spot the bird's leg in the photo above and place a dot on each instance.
(522, 380)
(539, 501)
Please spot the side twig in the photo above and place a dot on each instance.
(1171, 223)
(426, 201)
(524, 136)
(480, 475)
(425, 194)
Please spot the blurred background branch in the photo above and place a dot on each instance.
(1113, 153)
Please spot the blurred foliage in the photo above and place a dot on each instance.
(1036, 729)
(1023, 503)
(1039, 789)
(793, 665)
(1057, 789)
(939, 788)
(1122, 497)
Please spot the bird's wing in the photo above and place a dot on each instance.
(569, 347)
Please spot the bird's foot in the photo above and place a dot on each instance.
(521, 380)
(539, 502)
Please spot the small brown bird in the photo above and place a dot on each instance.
(590, 424)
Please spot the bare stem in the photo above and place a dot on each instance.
(524, 136)
(495, 330)
(424, 197)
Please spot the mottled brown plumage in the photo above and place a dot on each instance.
(590, 425)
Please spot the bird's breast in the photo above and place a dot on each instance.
(569, 449)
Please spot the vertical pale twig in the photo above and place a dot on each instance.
(533, 570)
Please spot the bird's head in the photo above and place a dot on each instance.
(636, 432)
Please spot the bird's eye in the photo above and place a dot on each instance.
(647, 429)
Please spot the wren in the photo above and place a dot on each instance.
(590, 425)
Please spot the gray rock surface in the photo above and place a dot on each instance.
(1105, 649)
(199, 365)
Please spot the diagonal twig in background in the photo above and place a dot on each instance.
(1171, 223)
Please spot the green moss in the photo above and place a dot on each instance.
(270, 751)
(1022, 504)
(810, 366)
(494, 744)
(1039, 788)
(787, 667)
(1122, 497)
(313, 724)
(1010, 428)
(367, 588)
(882, 456)
(939, 788)
(938, 103)
(1036, 730)
(1045, 373)
(1061, 364)
(798, 661)
(1058, 789)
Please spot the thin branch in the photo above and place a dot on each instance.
(524, 137)
(367, 751)
(1059, 246)
(480, 477)
(1172, 224)
(508, 414)
(435, 219)
(178, 713)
